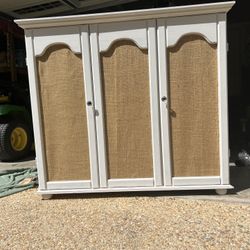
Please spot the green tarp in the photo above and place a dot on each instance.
(17, 180)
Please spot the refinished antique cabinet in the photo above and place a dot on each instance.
(130, 101)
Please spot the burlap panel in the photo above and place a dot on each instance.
(127, 107)
(194, 107)
(64, 115)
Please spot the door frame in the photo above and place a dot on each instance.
(214, 29)
(143, 33)
(77, 39)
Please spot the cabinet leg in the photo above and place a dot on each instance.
(221, 191)
(46, 196)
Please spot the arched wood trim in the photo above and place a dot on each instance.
(110, 33)
(44, 38)
(195, 34)
(125, 40)
(57, 44)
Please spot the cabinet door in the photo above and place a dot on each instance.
(65, 138)
(124, 64)
(190, 52)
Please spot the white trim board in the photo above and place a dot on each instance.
(68, 184)
(136, 182)
(109, 33)
(135, 189)
(198, 9)
(154, 102)
(90, 110)
(196, 180)
(36, 110)
(205, 25)
(100, 122)
(223, 98)
(164, 104)
(44, 38)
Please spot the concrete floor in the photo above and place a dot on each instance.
(240, 179)
(28, 162)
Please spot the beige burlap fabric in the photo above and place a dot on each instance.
(194, 107)
(64, 116)
(125, 77)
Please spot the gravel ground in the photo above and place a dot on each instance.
(113, 222)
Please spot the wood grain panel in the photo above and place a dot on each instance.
(64, 115)
(127, 105)
(194, 107)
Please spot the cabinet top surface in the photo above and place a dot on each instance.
(198, 9)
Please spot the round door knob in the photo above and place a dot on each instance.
(164, 98)
(89, 103)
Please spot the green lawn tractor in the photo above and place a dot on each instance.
(16, 136)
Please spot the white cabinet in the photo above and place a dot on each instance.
(130, 101)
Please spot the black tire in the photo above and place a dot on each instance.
(7, 152)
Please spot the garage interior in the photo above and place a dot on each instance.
(13, 70)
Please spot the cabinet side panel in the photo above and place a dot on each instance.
(64, 116)
(194, 118)
(127, 108)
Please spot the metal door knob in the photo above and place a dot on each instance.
(164, 98)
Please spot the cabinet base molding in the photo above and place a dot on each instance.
(134, 189)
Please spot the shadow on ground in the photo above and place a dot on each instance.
(240, 178)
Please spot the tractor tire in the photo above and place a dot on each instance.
(15, 140)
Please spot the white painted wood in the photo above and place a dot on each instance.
(188, 10)
(138, 182)
(200, 180)
(111, 32)
(154, 102)
(135, 189)
(223, 98)
(221, 191)
(164, 109)
(44, 38)
(205, 25)
(36, 112)
(100, 124)
(68, 184)
(90, 110)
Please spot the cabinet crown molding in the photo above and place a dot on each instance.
(198, 9)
